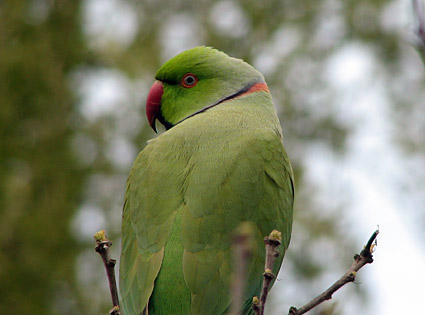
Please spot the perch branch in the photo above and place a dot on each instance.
(272, 242)
(365, 257)
(102, 247)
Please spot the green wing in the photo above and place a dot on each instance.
(147, 224)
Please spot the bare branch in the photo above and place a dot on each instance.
(419, 14)
(365, 257)
(102, 247)
(273, 241)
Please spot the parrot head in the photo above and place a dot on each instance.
(194, 81)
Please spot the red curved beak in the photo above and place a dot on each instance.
(153, 103)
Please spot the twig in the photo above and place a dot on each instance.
(418, 11)
(242, 252)
(365, 257)
(272, 242)
(102, 247)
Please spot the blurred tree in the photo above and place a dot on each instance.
(40, 178)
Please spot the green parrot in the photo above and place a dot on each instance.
(220, 162)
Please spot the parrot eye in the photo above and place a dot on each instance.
(189, 80)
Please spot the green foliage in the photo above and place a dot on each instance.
(40, 178)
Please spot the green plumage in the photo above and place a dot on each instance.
(192, 185)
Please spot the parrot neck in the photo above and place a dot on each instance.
(257, 87)
(250, 88)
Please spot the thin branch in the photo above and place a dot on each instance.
(419, 14)
(102, 247)
(365, 257)
(242, 252)
(273, 241)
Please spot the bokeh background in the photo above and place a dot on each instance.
(348, 85)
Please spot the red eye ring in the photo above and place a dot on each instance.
(189, 80)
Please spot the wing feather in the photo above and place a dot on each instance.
(146, 228)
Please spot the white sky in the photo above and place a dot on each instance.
(368, 172)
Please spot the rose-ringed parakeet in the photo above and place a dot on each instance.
(220, 162)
